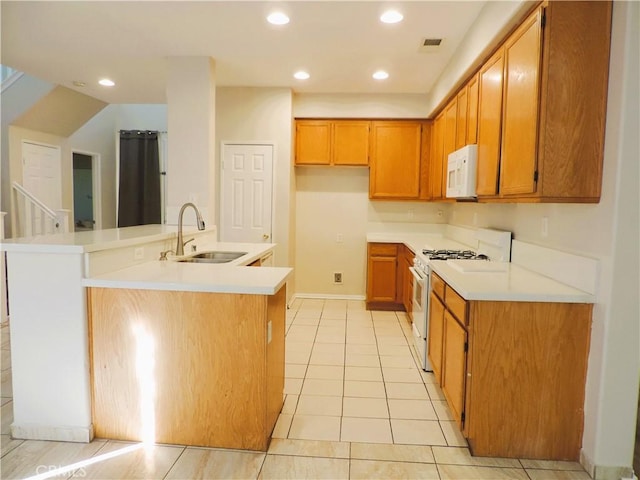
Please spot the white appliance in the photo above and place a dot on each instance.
(461, 172)
(494, 250)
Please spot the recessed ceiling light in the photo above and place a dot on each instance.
(301, 75)
(380, 75)
(105, 82)
(278, 18)
(391, 16)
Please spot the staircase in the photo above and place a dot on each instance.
(32, 217)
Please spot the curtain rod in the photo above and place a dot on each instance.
(135, 129)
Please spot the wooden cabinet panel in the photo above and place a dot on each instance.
(456, 304)
(472, 110)
(450, 113)
(434, 339)
(522, 57)
(574, 105)
(437, 285)
(350, 142)
(425, 161)
(313, 142)
(383, 249)
(461, 118)
(490, 124)
(407, 299)
(437, 155)
(395, 160)
(529, 371)
(194, 343)
(454, 365)
(382, 279)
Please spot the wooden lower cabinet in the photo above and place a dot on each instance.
(389, 281)
(517, 389)
(187, 368)
(454, 371)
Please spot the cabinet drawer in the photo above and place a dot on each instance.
(456, 304)
(437, 285)
(383, 249)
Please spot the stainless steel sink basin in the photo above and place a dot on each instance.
(213, 257)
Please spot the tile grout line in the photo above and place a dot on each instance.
(184, 449)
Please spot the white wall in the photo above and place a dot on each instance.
(16, 99)
(263, 115)
(610, 232)
(99, 135)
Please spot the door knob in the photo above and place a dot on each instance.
(265, 236)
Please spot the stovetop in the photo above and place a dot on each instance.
(453, 255)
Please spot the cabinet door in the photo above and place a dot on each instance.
(437, 152)
(461, 118)
(472, 110)
(381, 279)
(313, 142)
(434, 338)
(350, 142)
(450, 113)
(395, 160)
(454, 365)
(489, 124)
(522, 57)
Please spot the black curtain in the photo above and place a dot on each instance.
(139, 190)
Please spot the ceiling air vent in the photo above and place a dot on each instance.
(429, 45)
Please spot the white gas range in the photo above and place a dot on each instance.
(493, 245)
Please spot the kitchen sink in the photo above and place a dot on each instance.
(213, 257)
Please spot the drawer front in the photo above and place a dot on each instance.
(437, 285)
(456, 304)
(383, 249)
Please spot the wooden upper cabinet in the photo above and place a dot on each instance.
(573, 108)
(395, 160)
(351, 142)
(449, 141)
(522, 58)
(313, 142)
(490, 124)
(461, 118)
(472, 110)
(437, 154)
(332, 142)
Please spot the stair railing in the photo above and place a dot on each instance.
(32, 217)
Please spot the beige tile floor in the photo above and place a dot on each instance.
(356, 407)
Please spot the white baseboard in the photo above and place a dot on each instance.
(605, 472)
(327, 296)
(45, 432)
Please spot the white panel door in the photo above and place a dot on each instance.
(246, 197)
(41, 167)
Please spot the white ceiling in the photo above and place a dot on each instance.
(340, 43)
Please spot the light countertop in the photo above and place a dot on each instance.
(515, 284)
(194, 277)
(94, 240)
(417, 241)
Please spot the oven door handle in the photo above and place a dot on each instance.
(416, 275)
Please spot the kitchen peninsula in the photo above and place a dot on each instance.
(90, 302)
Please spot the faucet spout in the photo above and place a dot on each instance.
(200, 222)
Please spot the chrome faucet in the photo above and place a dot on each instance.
(180, 245)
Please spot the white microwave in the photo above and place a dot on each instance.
(461, 172)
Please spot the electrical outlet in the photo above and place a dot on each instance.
(138, 253)
(337, 277)
(339, 238)
(410, 213)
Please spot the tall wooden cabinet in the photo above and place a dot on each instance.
(513, 373)
(542, 106)
(489, 124)
(395, 160)
(437, 159)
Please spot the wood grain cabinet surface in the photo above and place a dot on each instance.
(396, 152)
(332, 142)
(542, 106)
(437, 167)
(187, 368)
(513, 373)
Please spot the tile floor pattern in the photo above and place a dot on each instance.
(356, 407)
